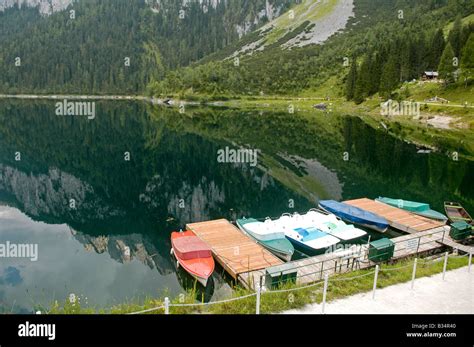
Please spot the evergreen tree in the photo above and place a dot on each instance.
(466, 31)
(405, 61)
(467, 55)
(446, 67)
(390, 77)
(351, 79)
(362, 87)
(455, 37)
(375, 72)
(436, 50)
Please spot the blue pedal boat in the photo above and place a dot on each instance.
(355, 215)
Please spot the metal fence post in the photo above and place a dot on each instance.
(259, 290)
(445, 264)
(326, 278)
(167, 305)
(470, 261)
(414, 273)
(375, 281)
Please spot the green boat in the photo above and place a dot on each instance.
(269, 236)
(418, 208)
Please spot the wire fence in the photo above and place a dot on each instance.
(363, 256)
(260, 290)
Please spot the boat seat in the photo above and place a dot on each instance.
(191, 247)
(312, 234)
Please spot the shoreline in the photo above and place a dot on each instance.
(74, 97)
(152, 100)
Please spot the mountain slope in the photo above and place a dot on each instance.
(378, 28)
(310, 22)
(88, 53)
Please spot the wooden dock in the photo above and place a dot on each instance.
(233, 250)
(398, 218)
(312, 269)
(448, 241)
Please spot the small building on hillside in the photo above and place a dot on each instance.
(437, 99)
(430, 75)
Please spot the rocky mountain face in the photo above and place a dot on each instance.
(125, 248)
(309, 22)
(253, 14)
(152, 36)
(49, 195)
(45, 7)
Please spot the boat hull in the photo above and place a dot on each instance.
(355, 240)
(283, 250)
(457, 213)
(417, 208)
(332, 225)
(307, 249)
(200, 268)
(432, 214)
(375, 223)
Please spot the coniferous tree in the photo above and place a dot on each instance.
(405, 61)
(467, 55)
(376, 71)
(446, 66)
(455, 37)
(351, 79)
(465, 33)
(390, 77)
(436, 50)
(362, 87)
(467, 60)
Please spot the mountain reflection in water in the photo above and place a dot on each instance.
(113, 245)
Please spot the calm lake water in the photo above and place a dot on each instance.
(112, 244)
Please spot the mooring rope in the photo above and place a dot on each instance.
(422, 261)
(291, 289)
(148, 310)
(353, 277)
(214, 302)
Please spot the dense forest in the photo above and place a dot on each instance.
(116, 46)
(407, 56)
(378, 28)
(127, 47)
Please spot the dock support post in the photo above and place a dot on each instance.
(167, 305)
(470, 261)
(259, 291)
(322, 269)
(414, 273)
(445, 264)
(375, 281)
(325, 290)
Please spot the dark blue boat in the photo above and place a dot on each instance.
(355, 215)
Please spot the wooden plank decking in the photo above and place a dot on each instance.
(312, 269)
(448, 241)
(398, 218)
(234, 251)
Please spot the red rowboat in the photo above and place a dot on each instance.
(193, 255)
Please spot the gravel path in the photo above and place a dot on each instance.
(431, 295)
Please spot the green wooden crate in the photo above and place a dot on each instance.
(460, 230)
(279, 275)
(381, 250)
